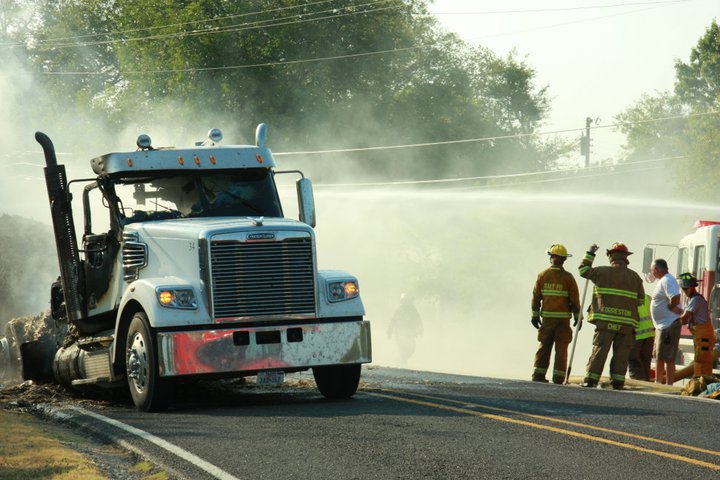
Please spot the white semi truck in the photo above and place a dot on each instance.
(198, 274)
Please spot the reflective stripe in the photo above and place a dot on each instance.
(589, 257)
(592, 376)
(615, 291)
(612, 319)
(618, 378)
(540, 370)
(536, 313)
(554, 293)
(584, 269)
(558, 373)
(645, 328)
(548, 314)
(641, 334)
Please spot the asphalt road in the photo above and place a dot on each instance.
(415, 425)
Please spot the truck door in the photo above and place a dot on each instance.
(99, 249)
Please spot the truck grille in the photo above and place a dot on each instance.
(262, 279)
(134, 256)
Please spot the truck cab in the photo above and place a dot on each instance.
(194, 271)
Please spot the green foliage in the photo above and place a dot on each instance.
(390, 76)
(700, 174)
(656, 139)
(696, 134)
(698, 81)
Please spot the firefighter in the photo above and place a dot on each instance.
(697, 318)
(555, 299)
(617, 294)
(406, 326)
(642, 350)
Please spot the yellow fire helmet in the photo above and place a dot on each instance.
(558, 250)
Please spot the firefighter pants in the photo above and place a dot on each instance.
(553, 331)
(641, 358)
(689, 371)
(703, 340)
(610, 335)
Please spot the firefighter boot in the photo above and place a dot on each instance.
(589, 383)
(617, 385)
(537, 377)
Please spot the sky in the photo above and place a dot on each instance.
(596, 56)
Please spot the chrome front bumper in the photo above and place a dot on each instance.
(236, 350)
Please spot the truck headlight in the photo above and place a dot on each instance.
(176, 297)
(342, 290)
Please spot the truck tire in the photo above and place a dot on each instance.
(149, 391)
(337, 381)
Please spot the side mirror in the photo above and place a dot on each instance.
(648, 254)
(306, 202)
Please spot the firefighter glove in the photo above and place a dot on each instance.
(593, 248)
(576, 317)
(536, 322)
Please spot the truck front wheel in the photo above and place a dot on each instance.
(149, 391)
(337, 381)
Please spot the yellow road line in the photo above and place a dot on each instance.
(565, 422)
(571, 433)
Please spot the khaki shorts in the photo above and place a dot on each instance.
(667, 341)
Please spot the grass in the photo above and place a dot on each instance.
(32, 449)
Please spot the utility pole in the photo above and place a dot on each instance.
(585, 142)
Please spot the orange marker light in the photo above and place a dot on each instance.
(197, 160)
(351, 289)
(259, 158)
(212, 159)
(181, 161)
(130, 162)
(166, 298)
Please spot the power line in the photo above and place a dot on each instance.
(565, 179)
(268, 23)
(494, 177)
(488, 139)
(194, 22)
(171, 25)
(561, 9)
(240, 67)
(328, 58)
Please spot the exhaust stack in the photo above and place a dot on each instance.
(71, 275)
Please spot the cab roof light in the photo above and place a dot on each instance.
(144, 142)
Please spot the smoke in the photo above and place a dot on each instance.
(469, 260)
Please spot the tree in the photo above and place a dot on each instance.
(648, 137)
(322, 74)
(694, 131)
(698, 81)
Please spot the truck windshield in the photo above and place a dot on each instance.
(247, 193)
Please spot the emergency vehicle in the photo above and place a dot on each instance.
(699, 254)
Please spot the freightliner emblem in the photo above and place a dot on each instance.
(261, 236)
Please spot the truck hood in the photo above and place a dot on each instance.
(194, 228)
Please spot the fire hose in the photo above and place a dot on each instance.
(578, 325)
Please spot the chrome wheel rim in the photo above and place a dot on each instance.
(137, 363)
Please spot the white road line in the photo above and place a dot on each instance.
(164, 444)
